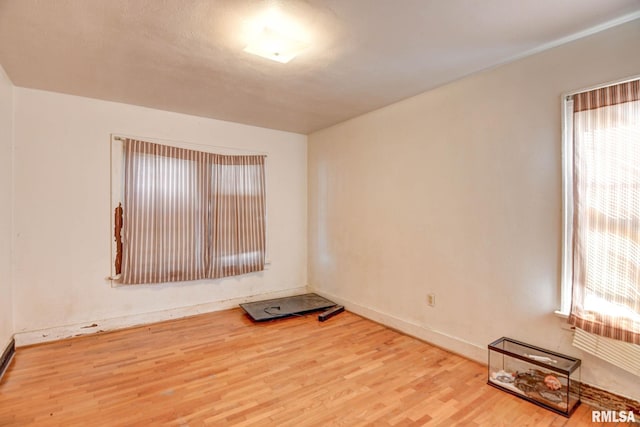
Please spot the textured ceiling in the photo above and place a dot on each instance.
(187, 55)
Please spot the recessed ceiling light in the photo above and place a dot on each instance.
(274, 45)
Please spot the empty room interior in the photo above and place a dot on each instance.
(462, 177)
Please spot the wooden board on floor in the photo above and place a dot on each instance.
(296, 305)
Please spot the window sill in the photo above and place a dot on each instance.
(561, 314)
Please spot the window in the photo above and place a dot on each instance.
(602, 211)
(189, 215)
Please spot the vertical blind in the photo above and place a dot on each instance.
(189, 214)
(606, 207)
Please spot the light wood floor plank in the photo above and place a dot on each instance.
(222, 369)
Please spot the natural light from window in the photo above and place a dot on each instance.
(601, 193)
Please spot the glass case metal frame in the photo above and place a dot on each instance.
(571, 365)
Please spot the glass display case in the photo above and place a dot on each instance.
(543, 377)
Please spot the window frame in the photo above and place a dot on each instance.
(567, 204)
(117, 185)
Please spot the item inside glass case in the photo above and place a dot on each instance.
(535, 384)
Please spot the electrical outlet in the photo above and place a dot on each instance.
(431, 300)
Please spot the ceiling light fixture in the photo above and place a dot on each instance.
(274, 45)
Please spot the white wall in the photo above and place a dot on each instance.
(63, 214)
(457, 192)
(6, 201)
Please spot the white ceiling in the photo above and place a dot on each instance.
(187, 55)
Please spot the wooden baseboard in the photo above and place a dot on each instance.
(94, 326)
(603, 399)
(440, 339)
(7, 356)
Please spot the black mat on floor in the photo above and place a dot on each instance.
(260, 311)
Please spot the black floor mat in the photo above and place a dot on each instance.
(260, 311)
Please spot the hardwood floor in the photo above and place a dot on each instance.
(222, 369)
